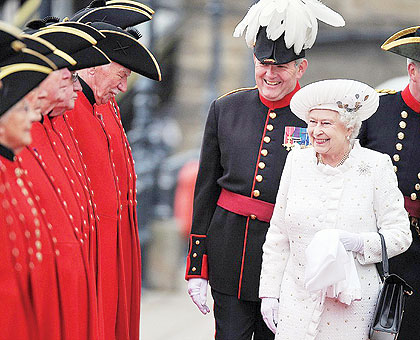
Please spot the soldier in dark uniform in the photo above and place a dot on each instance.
(395, 129)
(246, 140)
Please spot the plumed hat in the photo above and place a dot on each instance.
(76, 39)
(405, 43)
(10, 43)
(119, 13)
(280, 30)
(124, 48)
(342, 95)
(19, 79)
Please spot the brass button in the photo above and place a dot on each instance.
(256, 193)
(253, 217)
(418, 175)
(404, 114)
(261, 165)
(193, 269)
(417, 186)
(396, 157)
(413, 196)
(264, 152)
(401, 135)
(195, 255)
(273, 115)
(197, 242)
(399, 146)
(270, 127)
(403, 124)
(267, 139)
(259, 178)
(395, 168)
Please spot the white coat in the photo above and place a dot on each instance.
(360, 196)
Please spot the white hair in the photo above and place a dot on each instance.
(298, 62)
(414, 62)
(351, 121)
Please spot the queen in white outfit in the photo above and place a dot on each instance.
(339, 186)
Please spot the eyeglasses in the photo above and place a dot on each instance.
(74, 76)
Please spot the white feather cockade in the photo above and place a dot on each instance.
(297, 19)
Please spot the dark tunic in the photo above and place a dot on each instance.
(395, 129)
(242, 151)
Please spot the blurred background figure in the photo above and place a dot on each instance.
(200, 60)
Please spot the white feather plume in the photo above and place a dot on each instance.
(297, 19)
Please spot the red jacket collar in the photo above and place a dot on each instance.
(410, 100)
(278, 104)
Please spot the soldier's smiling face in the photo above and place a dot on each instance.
(276, 81)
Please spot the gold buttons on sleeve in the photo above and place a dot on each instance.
(395, 168)
(253, 217)
(264, 152)
(396, 157)
(259, 178)
(197, 242)
(267, 139)
(401, 135)
(418, 175)
(270, 127)
(417, 186)
(193, 269)
(273, 115)
(195, 255)
(399, 146)
(413, 196)
(404, 114)
(403, 124)
(261, 165)
(256, 193)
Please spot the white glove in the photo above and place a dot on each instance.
(197, 289)
(269, 312)
(351, 241)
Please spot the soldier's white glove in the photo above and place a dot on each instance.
(197, 290)
(351, 241)
(269, 312)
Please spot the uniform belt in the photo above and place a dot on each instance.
(245, 206)
(413, 207)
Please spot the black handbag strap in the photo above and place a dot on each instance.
(385, 265)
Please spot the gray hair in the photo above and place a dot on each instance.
(351, 121)
(416, 63)
(298, 62)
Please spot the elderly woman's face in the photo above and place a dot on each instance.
(327, 132)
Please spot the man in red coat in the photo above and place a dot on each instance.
(28, 267)
(96, 126)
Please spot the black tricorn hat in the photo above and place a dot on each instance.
(75, 39)
(122, 14)
(405, 43)
(18, 80)
(275, 52)
(123, 48)
(10, 43)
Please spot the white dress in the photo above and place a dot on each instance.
(359, 196)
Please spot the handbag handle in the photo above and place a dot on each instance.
(385, 265)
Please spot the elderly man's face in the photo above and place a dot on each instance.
(327, 133)
(68, 95)
(110, 79)
(276, 81)
(15, 125)
(57, 87)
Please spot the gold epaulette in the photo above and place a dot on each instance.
(386, 91)
(237, 90)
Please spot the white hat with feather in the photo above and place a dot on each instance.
(281, 30)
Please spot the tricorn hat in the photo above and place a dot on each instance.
(405, 43)
(75, 39)
(279, 30)
(119, 13)
(124, 48)
(18, 80)
(342, 95)
(10, 44)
